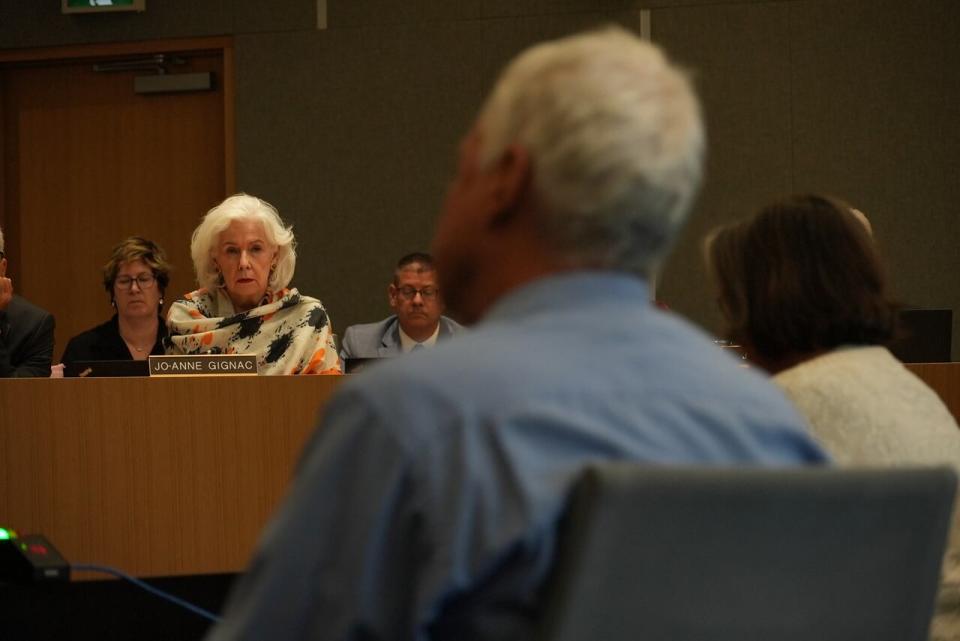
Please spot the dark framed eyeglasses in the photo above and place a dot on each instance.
(409, 293)
(143, 281)
(2, 255)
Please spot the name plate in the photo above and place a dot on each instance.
(204, 365)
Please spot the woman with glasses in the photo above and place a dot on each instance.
(135, 277)
(244, 259)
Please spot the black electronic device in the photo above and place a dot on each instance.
(30, 559)
(924, 336)
(97, 369)
(357, 365)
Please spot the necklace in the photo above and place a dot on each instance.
(141, 350)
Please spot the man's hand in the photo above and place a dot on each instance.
(6, 292)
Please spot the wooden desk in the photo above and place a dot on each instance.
(944, 378)
(173, 476)
(154, 476)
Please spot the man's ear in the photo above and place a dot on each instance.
(513, 173)
(392, 296)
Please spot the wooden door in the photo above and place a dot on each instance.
(88, 162)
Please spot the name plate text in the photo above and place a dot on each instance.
(204, 365)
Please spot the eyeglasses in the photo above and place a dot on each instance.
(409, 293)
(143, 281)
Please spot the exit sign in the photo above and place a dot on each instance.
(97, 6)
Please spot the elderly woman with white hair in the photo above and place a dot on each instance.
(244, 259)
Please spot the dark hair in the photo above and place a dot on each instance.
(137, 248)
(423, 259)
(801, 276)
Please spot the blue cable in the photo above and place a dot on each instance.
(84, 567)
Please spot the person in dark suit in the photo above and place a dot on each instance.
(26, 331)
(417, 321)
(135, 278)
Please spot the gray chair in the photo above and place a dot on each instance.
(658, 554)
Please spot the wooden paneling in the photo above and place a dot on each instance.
(3, 197)
(173, 476)
(944, 378)
(88, 162)
(155, 476)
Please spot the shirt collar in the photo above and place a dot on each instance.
(575, 289)
(407, 343)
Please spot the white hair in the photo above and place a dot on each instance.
(616, 142)
(242, 207)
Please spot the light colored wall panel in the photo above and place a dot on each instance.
(739, 58)
(875, 121)
(352, 133)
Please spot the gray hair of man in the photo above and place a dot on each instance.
(616, 141)
(241, 207)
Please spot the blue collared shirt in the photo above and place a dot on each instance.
(426, 502)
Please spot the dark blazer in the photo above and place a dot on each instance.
(376, 340)
(104, 343)
(26, 340)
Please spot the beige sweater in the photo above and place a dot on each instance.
(866, 408)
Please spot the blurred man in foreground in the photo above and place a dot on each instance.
(426, 504)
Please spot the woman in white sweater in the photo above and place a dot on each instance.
(801, 287)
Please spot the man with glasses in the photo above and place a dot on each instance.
(26, 331)
(417, 322)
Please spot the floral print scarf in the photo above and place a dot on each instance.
(289, 333)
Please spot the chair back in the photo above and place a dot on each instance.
(660, 554)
